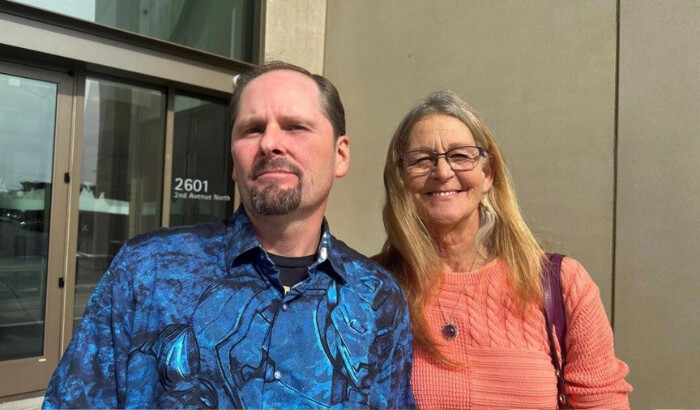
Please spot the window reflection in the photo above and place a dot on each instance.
(121, 175)
(223, 27)
(27, 127)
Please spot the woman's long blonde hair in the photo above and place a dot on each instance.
(410, 251)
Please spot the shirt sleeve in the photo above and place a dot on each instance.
(392, 389)
(595, 378)
(92, 372)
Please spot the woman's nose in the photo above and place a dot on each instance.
(443, 169)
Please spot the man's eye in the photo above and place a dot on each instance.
(297, 127)
(252, 130)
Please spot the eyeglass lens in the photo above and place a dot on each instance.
(459, 158)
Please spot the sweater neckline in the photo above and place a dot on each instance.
(491, 269)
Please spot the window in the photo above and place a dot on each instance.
(27, 122)
(223, 27)
(121, 176)
(202, 188)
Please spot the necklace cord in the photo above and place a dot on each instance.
(449, 329)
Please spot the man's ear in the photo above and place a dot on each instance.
(342, 156)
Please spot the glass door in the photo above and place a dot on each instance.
(202, 187)
(121, 177)
(35, 116)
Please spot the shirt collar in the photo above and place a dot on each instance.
(241, 238)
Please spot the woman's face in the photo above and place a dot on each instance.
(450, 198)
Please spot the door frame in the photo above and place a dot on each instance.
(32, 374)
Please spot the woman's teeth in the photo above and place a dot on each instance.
(444, 193)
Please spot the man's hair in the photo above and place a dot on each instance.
(329, 99)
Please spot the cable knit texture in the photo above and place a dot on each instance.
(506, 353)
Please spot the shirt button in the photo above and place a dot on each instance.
(277, 375)
(284, 307)
(324, 253)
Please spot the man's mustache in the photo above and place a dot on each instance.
(273, 164)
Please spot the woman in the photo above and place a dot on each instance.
(471, 269)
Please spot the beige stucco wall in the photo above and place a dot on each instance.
(657, 310)
(541, 73)
(295, 32)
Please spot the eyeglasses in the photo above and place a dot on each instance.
(421, 162)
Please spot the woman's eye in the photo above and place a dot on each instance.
(459, 157)
(426, 160)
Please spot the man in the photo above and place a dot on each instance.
(264, 310)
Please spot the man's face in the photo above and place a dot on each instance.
(284, 154)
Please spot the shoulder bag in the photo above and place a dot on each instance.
(555, 315)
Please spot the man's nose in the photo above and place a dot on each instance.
(443, 169)
(272, 141)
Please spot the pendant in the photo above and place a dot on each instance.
(449, 331)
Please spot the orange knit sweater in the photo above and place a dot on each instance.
(507, 353)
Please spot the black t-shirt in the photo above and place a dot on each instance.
(292, 269)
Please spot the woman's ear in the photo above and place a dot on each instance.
(488, 177)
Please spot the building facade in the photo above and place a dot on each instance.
(113, 122)
(109, 110)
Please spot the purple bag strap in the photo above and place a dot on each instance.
(555, 315)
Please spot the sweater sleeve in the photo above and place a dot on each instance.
(595, 378)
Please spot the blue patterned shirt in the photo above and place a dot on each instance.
(196, 317)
